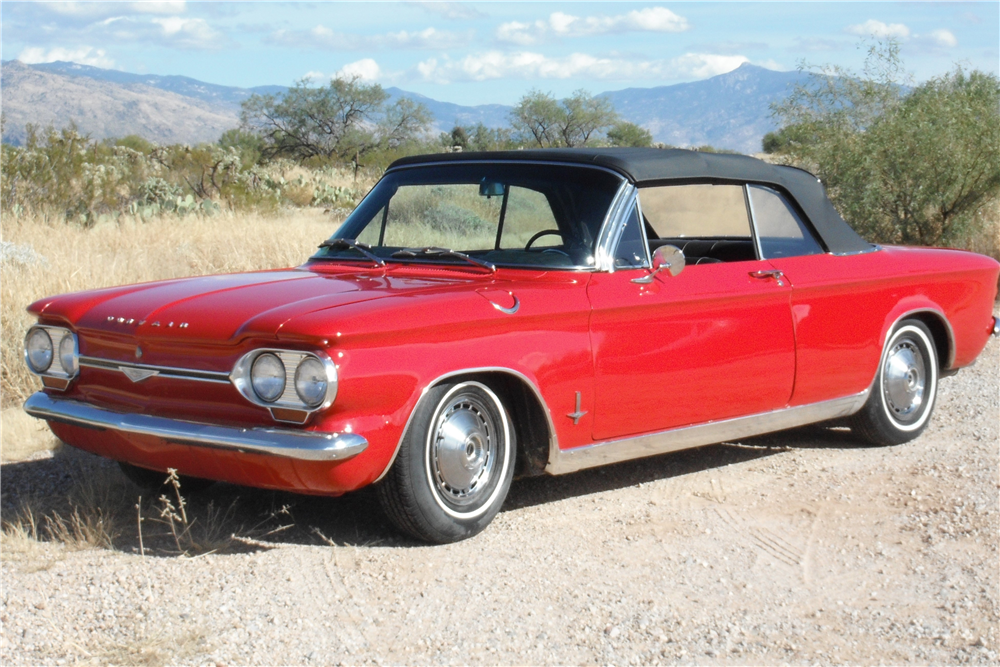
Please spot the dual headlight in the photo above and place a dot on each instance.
(269, 379)
(51, 351)
(283, 380)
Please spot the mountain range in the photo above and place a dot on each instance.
(730, 111)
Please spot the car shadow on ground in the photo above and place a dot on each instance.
(75, 497)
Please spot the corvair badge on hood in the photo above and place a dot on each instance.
(131, 320)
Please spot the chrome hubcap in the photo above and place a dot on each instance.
(905, 378)
(464, 450)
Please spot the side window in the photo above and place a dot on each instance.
(676, 211)
(528, 212)
(709, 223)
(631, 251)
(780, 230)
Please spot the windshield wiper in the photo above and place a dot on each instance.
(345, 244)
(437, 252)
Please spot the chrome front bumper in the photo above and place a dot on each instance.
(301, 445)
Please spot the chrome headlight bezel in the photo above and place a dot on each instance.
(57, 367)
(288, 407)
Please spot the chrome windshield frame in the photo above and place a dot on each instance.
(600, 241)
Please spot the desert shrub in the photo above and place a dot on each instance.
(916, 165)
(61, 173)
(629, 134)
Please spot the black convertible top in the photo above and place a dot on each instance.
(648, 166)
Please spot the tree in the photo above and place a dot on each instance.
(902, 165)
(585, 116)
(542, 120)
(458, 137)
(629, 134)
(537, 117)
(343, 121)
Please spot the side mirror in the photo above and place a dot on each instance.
(666, 257)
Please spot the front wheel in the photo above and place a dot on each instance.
(454, 466)
(905, 388)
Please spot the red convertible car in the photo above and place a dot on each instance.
(485, 315)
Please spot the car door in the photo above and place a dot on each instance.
(713, 342)
(838, 302)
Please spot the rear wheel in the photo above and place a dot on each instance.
(905, 388)
(154, 480)
(454, 466)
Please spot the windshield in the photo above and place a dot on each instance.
(495, 214)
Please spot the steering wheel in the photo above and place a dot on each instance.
(544, 232)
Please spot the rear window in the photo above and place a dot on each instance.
(780, 229)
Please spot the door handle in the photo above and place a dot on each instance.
(778, 276)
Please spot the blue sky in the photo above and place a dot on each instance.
(476, 53)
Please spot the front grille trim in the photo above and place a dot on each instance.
(159, 371)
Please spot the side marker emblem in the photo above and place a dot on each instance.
(575, 416)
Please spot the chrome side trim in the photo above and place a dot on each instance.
(553, 439)
(579, 458)
(288, 443)
(162, 371)
(510, 311)
(996, 326)
(874, 248)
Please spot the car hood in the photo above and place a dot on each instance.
(227, 307)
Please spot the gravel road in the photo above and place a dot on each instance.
(800, 547)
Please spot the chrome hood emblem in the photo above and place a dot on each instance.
(137, 374)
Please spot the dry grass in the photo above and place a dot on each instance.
(22, 436)
(98, 508)
(47, 257)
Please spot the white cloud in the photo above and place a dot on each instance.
(559, 24)
(365, 69)
(189, 33)
(86, 55)
(159, 7)
(943, 38)
(705, 65)
(455, 11)
(322, 37)
(873, 28)
(527, 65)
(96, 10)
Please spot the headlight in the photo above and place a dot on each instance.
(311, 381)
(268, 377)
(67, 354)
(38, 350)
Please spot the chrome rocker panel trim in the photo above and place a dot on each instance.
(589, 456)
(288, 443)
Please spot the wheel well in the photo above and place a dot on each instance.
(941, 334)
(527, 414)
